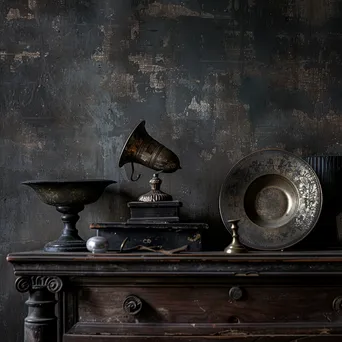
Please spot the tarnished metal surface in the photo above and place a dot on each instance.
(155, 194)
(65, 193)
(69, 198)
(235, 247)
(277, 197)
(142, 149)
(97, 244)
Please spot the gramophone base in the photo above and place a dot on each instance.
(66, 245)
(155, 194)
(147, 212)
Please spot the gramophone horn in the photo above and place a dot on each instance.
(142, 149)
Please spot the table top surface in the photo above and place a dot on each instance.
(252, 256)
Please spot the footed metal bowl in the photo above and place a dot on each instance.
(69, 193)
(69, 198)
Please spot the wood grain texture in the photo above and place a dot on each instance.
(208, 329)
(96, 338)
(191, 297)
(253, 264)
(193, 304)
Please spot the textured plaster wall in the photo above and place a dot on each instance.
(214, 79)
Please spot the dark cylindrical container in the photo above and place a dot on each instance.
(328, 231)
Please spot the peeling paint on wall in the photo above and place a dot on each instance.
(135, 27)
(25, 54)
(102, 53)
(157, 81)
(201, 107)
(14, 13)
(208, 155)
(123, 85)
(147, 66)
(108, 32)
(99, 55)
(145, 63)
(32, 4)
(57, 23)
(315, 12)
(173, 11)
(177, 130)
(19, 57)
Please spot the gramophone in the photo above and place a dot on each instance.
(141, 148)
(154, 222)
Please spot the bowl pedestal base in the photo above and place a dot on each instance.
(69, 241)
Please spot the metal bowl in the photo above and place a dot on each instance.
(276, 195)
(69, 193)
(271, 201)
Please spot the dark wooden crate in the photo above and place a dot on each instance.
(167, 236)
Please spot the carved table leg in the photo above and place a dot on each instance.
(41, 322)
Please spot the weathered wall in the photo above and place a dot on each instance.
(215, 80)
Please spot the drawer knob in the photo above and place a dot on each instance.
(132, 305)
(235, 293)
(337, 304)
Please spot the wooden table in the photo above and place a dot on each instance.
(264, 297)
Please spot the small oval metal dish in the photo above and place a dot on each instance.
(277, 197)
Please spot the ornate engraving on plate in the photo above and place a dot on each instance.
(277, 197)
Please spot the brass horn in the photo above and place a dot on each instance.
(142, 149)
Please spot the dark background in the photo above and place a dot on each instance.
(214, 79)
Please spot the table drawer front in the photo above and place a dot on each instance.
(219, 304)
(288, 332)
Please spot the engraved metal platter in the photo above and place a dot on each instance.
(276, 195)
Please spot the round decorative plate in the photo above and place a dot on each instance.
(276, 196)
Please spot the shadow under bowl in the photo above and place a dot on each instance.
(69, 193)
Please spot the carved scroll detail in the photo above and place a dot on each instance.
(23, 284)
(132, 305)
(27, 283)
